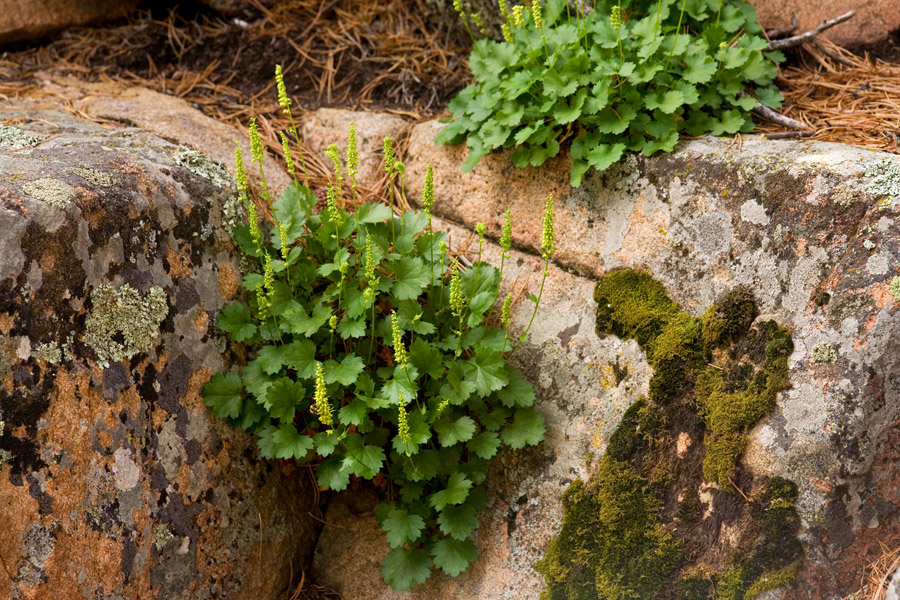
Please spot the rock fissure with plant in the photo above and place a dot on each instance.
(377, 356)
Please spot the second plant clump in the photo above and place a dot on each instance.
(629, 75)
(374, 357)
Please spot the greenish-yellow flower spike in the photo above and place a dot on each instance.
(428, 192)
(352, 152)
(457, 301)
(547, 241)
(332, 153)
(253, 218)
(400, 356)
(288, 158)
(458, 7)
(505, 311)
(283, 101)
(240, 174)
(370, 261)
(480, 229)
(507, 33)
(503, 7)
(285, 245)
(517, 15)
(331, 203)
(478, 22)
(403, 422)
(256, 149)
(615, 18)
(506, 236)
(269, 277)
(322, 407)
(388, 156)
(262, 301)
(332, 322)
(536, 14)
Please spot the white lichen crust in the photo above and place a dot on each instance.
(122, 313)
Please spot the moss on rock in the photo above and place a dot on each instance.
(647, 524)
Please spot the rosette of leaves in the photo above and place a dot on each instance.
(630, 75)
(372, 356)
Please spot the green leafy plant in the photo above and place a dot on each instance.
(630, 75)
(373, 356)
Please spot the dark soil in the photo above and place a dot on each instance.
(887, 49)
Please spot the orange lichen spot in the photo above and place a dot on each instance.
(229, 281)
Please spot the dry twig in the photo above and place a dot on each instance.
(794, 41)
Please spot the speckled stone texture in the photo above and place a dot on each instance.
(32, 20)
(115, 480)
(810, 227)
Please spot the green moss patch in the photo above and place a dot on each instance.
(670, 512)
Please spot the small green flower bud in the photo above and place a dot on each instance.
(428, 192)
(256, 149)
(442, 246)
(388, 156)
(240, 174)
(547, 241)
(285, 246)
(442, 407)
(370, 261)
(457, 300)
(536, 14)
(615, 18)
(253, 218)
(505, 311)
(478, 22)
(403, 422)
(332, 153)
(283, 101)
(321, 407)
(288, 158)
(517, 15)
(262, 301)
(506, 237)
(332, 322)
(400, 356)
(480, 229)
(352, 153)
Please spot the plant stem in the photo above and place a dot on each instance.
(536, 304)
(677, 31)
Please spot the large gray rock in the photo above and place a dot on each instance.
(115, 479)
(810, 227)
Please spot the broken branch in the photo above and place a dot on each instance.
(796, 40)
(767, 113)
(774, 34)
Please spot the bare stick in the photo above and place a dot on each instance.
(774, 34)
(770, 115)
(796, 40)
(789, 135)
(831, 53)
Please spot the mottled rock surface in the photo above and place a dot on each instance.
(874, 19)
(326, 126)
(32, 20)
(115, 480)
(810, 227)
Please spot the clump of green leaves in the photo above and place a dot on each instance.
(373, 357)
(630, 75)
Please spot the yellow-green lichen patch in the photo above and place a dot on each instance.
(49, 352)
(885, 180)
(650, 522)
(92, 176)
(15, 138)
(894, 288)
(52, 191)
(822, 354)
(121, 323)
(202, 165)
